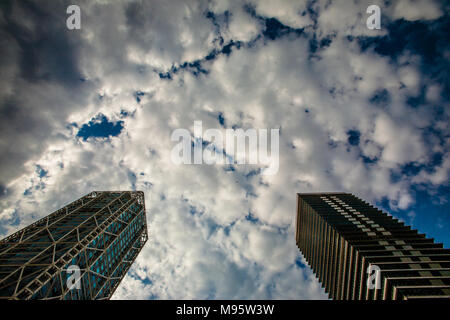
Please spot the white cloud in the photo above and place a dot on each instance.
(201, 244)
(347, 18)
(413, 10)
(290, 13)
(242, 28)
(407, 145)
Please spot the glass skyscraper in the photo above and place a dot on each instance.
(81, 251)
(361, 253)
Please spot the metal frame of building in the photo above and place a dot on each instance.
(101, 233)
(340, 236)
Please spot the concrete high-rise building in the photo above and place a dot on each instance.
(358, 252)
(81, 251)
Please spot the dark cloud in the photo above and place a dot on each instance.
(45, 84)
(48, 50)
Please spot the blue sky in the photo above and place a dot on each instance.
(361, 111)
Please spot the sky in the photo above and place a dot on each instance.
(358, 110)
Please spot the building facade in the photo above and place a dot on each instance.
(81, 251)
(361, 253)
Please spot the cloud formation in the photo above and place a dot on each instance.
(353, 113)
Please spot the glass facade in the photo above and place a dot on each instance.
(361, 253)
(81, 251)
